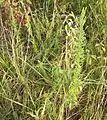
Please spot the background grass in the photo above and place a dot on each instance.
(54, 66)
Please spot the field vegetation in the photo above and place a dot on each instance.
(53, 60)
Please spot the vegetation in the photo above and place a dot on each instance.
(53, 60)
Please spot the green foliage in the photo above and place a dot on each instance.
(75, 43)
(1, 2)
(54, 66)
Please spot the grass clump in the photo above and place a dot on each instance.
(53, 60)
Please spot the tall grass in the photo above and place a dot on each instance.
(54, 66)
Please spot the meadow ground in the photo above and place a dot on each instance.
(53, 60)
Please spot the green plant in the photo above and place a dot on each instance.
(46, 63)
